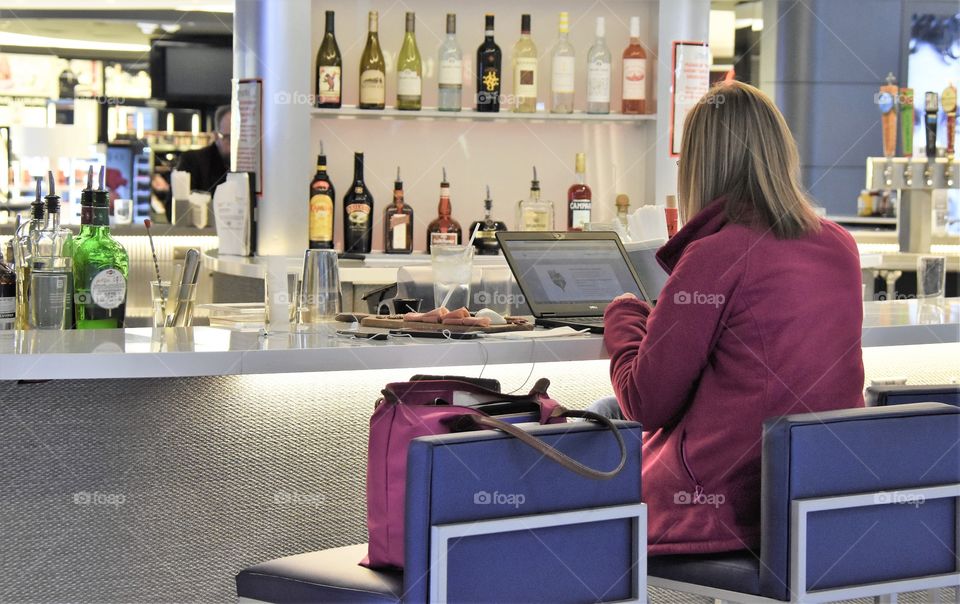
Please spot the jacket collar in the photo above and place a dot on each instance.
(707, 221)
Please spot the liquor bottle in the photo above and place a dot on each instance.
(100, 271)
(634, 73)
(598, 73)
(486, 244)
(8, 296)
(525, 70)
(444, 229)
(372, 70)
(322, 194)
(563, 63)
(409, 70)
(358, 212)
(488, 71)
(450, 69)
(23, 256)
(329, 69)
(398, 222)
(579, 198)
(623, 208)
(535, 213)
(51, 269)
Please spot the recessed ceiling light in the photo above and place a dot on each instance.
(147, 28)
(170, 28)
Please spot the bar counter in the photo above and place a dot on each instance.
(207, 351)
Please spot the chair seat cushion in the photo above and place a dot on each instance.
(734, 571)
(331, 575)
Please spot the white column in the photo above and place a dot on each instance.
(272, 41)
(687, 20)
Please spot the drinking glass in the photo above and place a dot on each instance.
(452, 270)
(122, 211)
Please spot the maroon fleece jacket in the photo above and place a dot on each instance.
(747, 327)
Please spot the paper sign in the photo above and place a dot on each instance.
(691, 80)
(246, 147)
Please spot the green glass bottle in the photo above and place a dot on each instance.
(100, 269)
(409, 70)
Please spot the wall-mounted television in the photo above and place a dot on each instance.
(192, 70)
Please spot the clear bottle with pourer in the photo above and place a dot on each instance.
(535, 213)
(51, 270)
(485, 243)
(23, 255)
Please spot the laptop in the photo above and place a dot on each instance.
(568, 279)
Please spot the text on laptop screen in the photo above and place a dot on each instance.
(570, 271)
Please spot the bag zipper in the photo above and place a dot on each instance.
(698, 486)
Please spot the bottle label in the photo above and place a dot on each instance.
(321, 217)
(108, 288)
(8, 313)
(372, 87)
(579, 213)
(398, 231)
(443, 239)
(525, 77)
(489, 92)
(598, 82)
(451, 72)
(328, 77)
(564, 69)
(536, 220)
(358, 214)
(408, 83)
(634, 79)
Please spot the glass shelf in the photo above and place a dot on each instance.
(431, 113)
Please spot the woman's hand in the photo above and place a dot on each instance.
(625, 296)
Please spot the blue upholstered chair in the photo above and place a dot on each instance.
(879, 396)
(489, 519)
(855, 503)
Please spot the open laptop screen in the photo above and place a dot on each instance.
(582, 273)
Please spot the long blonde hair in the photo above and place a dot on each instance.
(737, 145)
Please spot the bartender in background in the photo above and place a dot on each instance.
(208, 167)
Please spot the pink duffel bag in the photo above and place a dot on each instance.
(412, 409)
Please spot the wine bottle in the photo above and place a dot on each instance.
(372, 70)
(398, 222)
(409, 70)
(579, 198)
(486, 243)
(488, 71)
(329, 69)
(525, 70)
(100, 271)
(444, 229)
(8, 296)
(535, 214)
(450, 69)
(563, 63)
(634, 73)
(322, 194)
(598, 73)
(358, 212)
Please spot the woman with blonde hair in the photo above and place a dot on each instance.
(761, 317)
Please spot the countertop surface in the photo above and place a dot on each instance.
(198, 351)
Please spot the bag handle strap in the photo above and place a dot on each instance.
(546, 450)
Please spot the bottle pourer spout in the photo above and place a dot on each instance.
(90, 178)
(444, 175)
(53, 189)
(398, 173)
(38, 198)
(102, 171)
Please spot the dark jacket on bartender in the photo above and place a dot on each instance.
(748, 327)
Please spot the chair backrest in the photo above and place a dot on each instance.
(873, 451)
(466, 480)
(879, 396)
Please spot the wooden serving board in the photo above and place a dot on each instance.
(374, 321)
